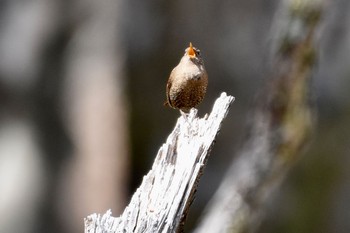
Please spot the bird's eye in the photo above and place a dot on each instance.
(198, 52)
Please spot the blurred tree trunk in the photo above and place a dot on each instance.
(97, 175)
(25, 30)
(33, 53)
(280, 126)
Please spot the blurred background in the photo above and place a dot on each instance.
(82, 86)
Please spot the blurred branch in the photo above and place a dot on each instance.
(162, 201)
(280, 126)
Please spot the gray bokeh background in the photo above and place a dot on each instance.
(82, 86)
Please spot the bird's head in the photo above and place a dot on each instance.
(194, 54)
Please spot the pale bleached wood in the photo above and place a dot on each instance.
(162, 201)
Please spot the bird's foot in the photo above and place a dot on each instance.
(184, 115)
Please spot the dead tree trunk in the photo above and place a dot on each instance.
(162, 201)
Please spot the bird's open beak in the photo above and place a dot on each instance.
(191, 52)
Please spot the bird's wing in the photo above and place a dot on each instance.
(168, 86)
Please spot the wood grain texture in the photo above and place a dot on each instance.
(162, 201)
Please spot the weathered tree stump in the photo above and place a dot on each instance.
(162, 201)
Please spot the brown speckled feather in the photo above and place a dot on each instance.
(188, 82)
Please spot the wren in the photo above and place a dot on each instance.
(188, 82)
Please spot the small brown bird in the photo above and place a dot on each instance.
(188, 82)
